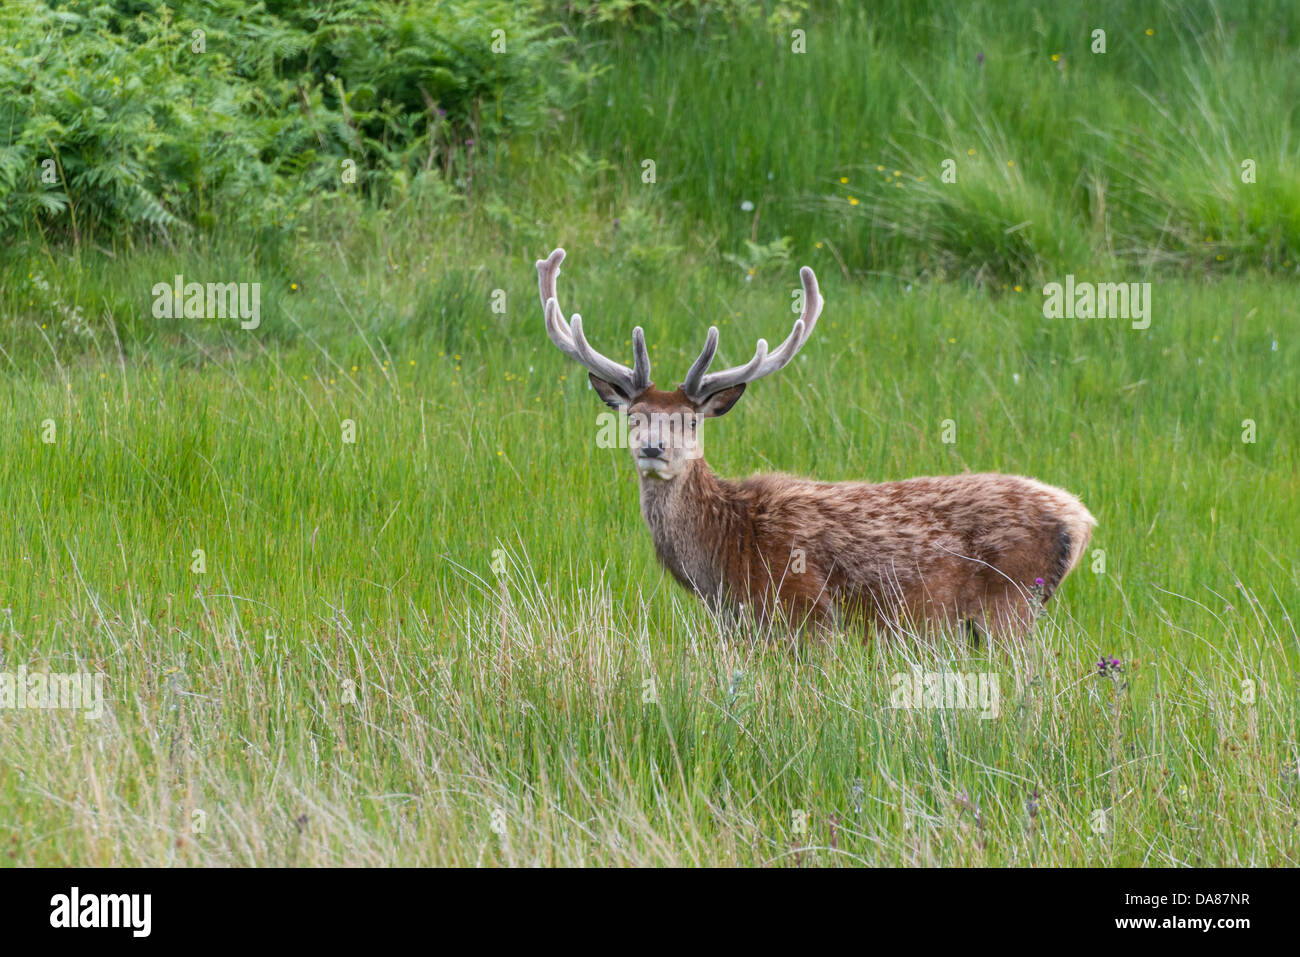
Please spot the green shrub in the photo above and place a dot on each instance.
(144, 116)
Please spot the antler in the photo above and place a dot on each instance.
(699, 386)
(569, 339)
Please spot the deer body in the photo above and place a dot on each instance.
(976, 550)
(950, 550)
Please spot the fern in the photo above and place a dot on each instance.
(150, 135)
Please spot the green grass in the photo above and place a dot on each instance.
(371, 562)
(503, 716)
(1132, 154)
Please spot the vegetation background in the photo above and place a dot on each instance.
(448, 641)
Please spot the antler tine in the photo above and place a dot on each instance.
(701, 364)
(640, 361)
(548, 271)
(559, 331)
(699, 386)
(568, 337)
(632, 381)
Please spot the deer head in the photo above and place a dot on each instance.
(663, 428)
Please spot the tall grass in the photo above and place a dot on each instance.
(1061, 155)
(599, 738)
(521, 695)
(449, 641)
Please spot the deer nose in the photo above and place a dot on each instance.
(653, 451)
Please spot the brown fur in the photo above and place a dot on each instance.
(947, 551)
(961, 550)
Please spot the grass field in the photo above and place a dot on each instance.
(366, 591)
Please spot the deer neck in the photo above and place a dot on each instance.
(691, 520)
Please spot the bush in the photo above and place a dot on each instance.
(133, 115)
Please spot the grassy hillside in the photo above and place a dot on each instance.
(424, 622)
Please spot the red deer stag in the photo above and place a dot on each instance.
(981, 551)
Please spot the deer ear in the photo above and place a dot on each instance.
(721, 401)
(610, 394)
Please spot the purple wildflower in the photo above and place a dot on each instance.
(1109, 667)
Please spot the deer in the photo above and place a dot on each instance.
(976, 554)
